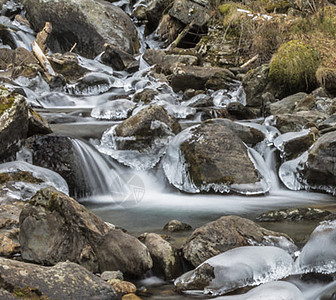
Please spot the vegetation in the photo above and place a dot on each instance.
(294, 65)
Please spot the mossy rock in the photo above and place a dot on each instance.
(326, 77)
(294, 65)
(279, 6)
(19, 176)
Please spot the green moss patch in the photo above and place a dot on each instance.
(294, 64)
(19, 176)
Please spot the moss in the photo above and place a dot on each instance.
(29, 293)
(279, 6)
(19, 176)
(224, 8)
(5, 103)
(294, 65)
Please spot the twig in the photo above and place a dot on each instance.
(73, 47)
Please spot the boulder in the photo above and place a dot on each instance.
(117, 58)
(9, 228)
(169, 29)
(141, 126)
(13, 122)
(108, 275)
(287, 105)
(120, 251)
(37, 124)
(122, 287)
(298, 121)
(150, 12)
(249, 135)
(55, 227)
(68, 65)
(196, 77)
(294, 215)
(319, 171)
(57, 153)
(230, 232)
(176, 226)
(191, 11)
(240, 112)
(166, 262)
(88, 23)
(293, 144)
(207, 156)
(167, 60)
(237, 268)
(254, 84)
(66, 281)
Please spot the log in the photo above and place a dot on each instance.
(182, 35)
(43, 60)
(42, 36)
(249, 62)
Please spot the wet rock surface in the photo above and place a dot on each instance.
(227, 233)
(66, 280)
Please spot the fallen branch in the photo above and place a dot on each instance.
(73, 47)
(43, 60)
(42, 36)
(182, 35)
(250, 61)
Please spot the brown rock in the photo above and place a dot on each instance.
(122, 287)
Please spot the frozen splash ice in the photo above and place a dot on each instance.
(22, 190)
(270, 291)
(240, 267)
(145, 159)
(113, 110)
(319, 255)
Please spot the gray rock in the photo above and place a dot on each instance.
(37, 124)
(58, 154)
(9, 228)
(168, 60)
(108, 275)
(141, 127)
(320, 170)
(66, 281)
(55, 227)
(13, 122)
(212, 155)
(227, 233)
(294, 215)
(89, 23)
(254, 84)
(176, 226)
(190, 11)
(196, 77)
(165, 259)
(299, 120)
(287, 105)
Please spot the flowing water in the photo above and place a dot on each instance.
(138, 191)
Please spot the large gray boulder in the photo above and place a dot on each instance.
(211, 156)
(66, 281)
(55, 228)
(227, 233)
(89, 23)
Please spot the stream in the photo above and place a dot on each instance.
(130, 189)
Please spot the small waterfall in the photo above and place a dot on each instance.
(102, 177)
